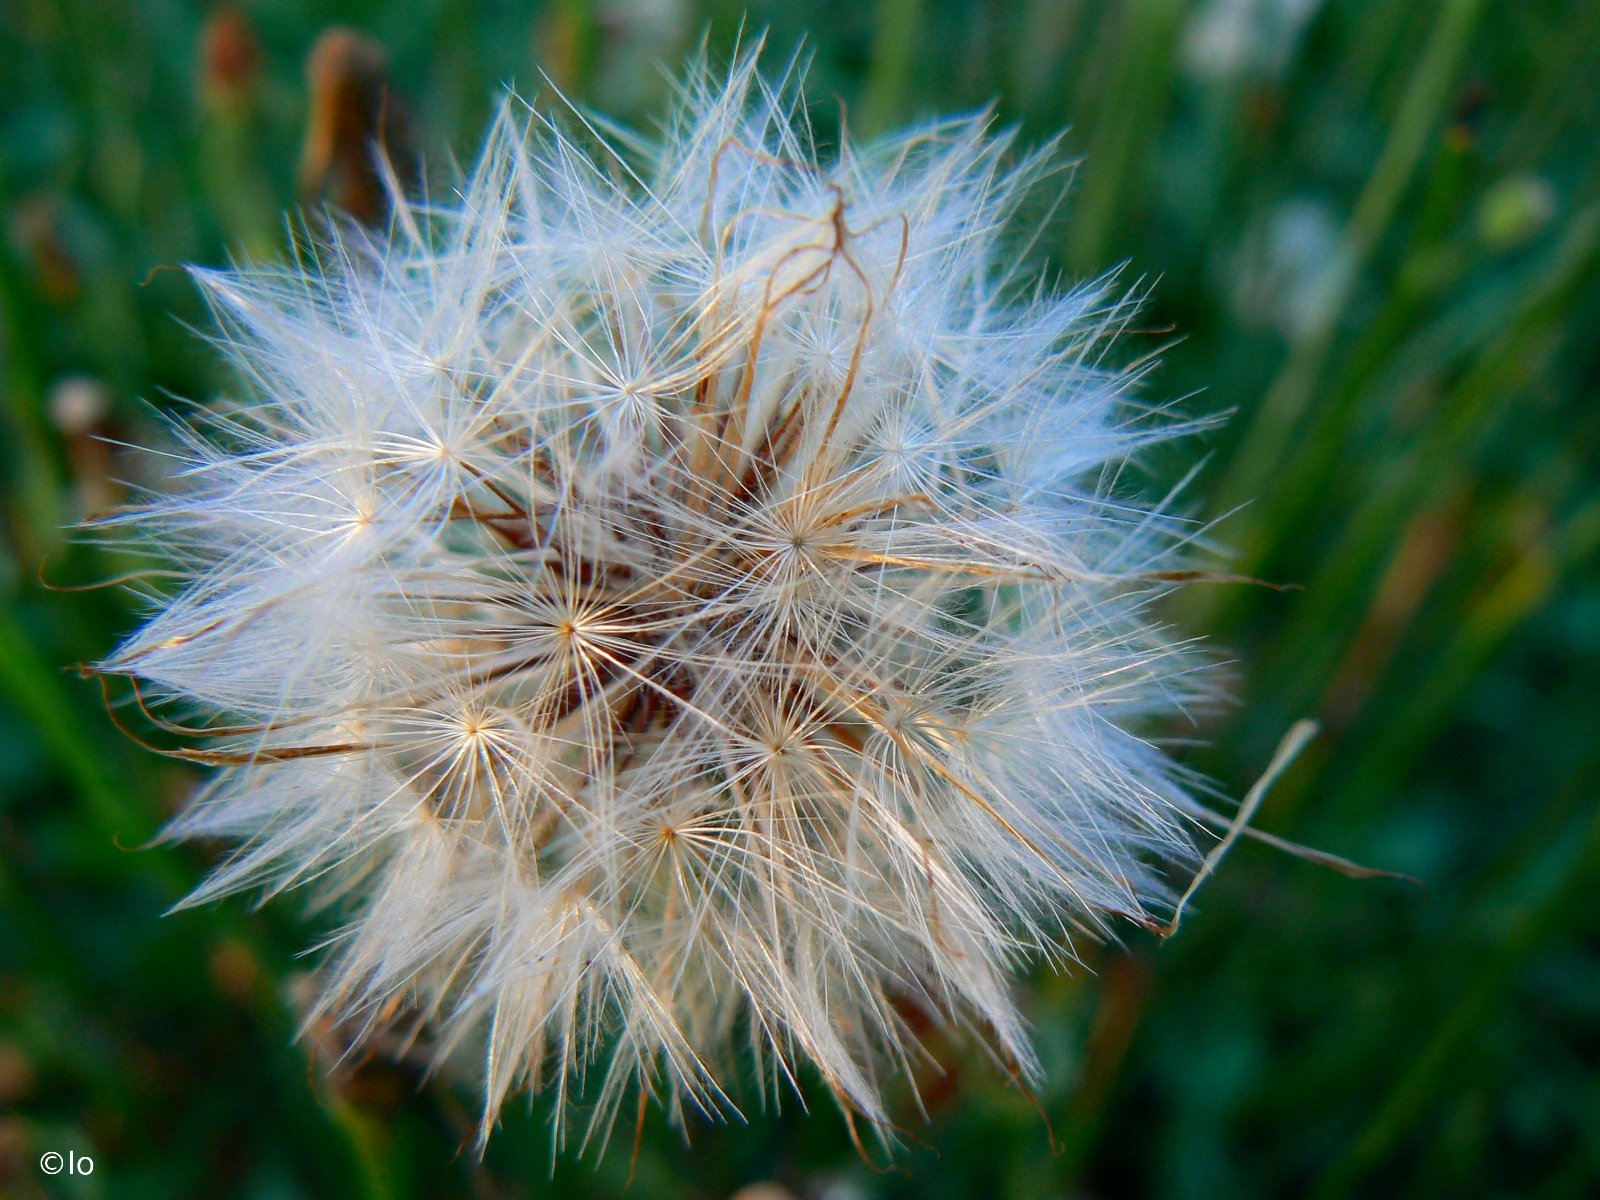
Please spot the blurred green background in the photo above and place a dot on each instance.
(1373, 229)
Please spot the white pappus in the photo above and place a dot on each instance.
(676, 602)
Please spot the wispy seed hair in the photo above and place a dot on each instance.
(674, 597)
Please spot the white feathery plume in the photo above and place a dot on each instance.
(677, 596)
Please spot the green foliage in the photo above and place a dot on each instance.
(1375, 233)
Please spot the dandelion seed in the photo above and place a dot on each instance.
(677, 597)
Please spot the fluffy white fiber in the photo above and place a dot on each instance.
(677, 604)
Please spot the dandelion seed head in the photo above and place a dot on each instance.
(678, 597)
